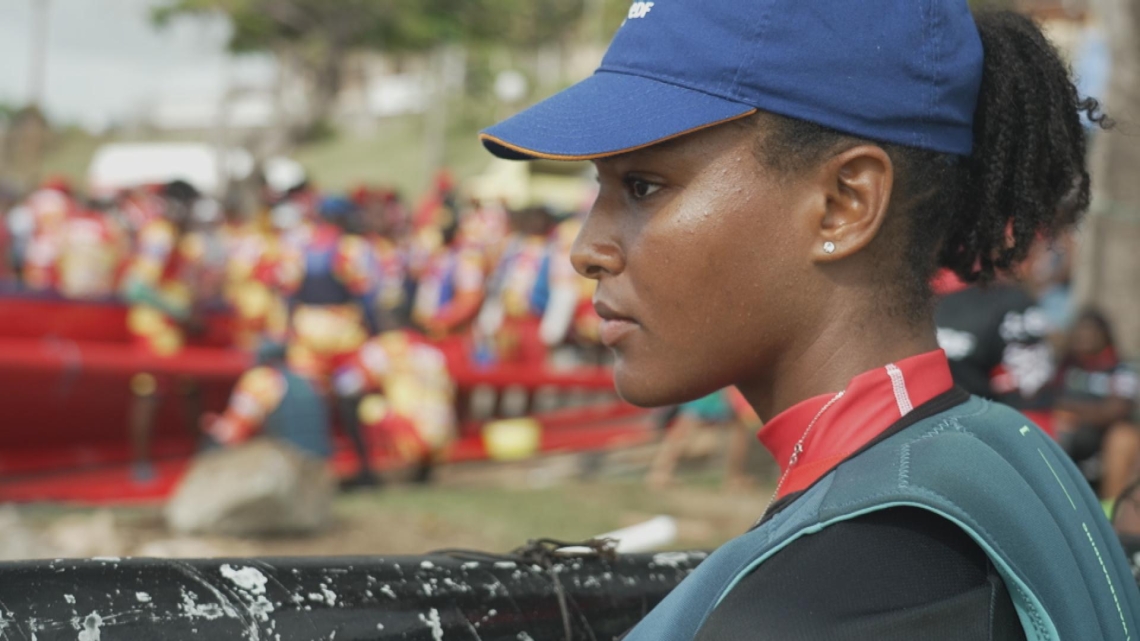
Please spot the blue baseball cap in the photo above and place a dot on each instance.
(895, 71)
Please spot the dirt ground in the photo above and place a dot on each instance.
(492, 507)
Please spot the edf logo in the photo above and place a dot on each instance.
(640, 10)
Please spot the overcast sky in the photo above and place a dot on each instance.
(106, 61)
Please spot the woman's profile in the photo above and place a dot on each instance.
(780, 180)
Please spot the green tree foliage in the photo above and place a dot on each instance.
(312, 38)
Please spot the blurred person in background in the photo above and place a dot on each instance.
(253, 285)
(1048, 274)
(404, 397)
(328, 275)
(385, 226)
(726, 408)
(329, 280)
(136, 208)
(161, 285)
(93, 253)
(508, 325)
(996, 339)
(449, 270)
(9, 265)
(565, 299)
(1096, 397)
(274, 401)
(41, 234)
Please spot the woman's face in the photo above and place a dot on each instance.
(702, 262)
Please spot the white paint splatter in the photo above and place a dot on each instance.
(427, 565)
(70, 598)
(433, 622)
(106, 559)
(192, 608)
(91, 624)
(461, 587)
(506, 565)
(249, 579)
(379, 626)
(523, 636)
(470, 565)
(330, 596)
(427, 589)
(252, 582)
(387, 589)
(143, 597)
(671, 559)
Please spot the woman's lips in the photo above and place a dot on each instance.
(613, 331)
(615, 325)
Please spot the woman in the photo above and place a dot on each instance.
(1096, 395)
(779, 182)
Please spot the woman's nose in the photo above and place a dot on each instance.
(597, 251)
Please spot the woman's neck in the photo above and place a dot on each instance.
(830, 358)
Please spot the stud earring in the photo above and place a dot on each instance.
(829, 247)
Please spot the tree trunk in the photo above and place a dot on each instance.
(327, 77)
(1108, 268)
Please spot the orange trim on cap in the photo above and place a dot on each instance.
(608, 154)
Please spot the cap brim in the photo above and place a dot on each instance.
(605, 115)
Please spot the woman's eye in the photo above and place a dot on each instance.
(640, 189)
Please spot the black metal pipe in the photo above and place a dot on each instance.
(435, 597)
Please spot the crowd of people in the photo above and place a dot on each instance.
(356, 301)
(360, 300)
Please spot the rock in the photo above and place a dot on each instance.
(264, 487)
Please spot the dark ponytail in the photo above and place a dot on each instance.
(976, 216)
(1027, 176)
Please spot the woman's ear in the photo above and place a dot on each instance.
(857, 186)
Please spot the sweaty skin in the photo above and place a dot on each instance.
(711, 271)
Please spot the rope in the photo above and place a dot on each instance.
(547, 553)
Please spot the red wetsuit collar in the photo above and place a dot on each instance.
(872, 402)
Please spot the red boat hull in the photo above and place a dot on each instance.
(65, 371)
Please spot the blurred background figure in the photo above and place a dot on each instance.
(164, 285)
(1095, 406)
(404, 397)
(997, 340)
(273, 401)
(508, 326)
(449, 269)
(725, 409)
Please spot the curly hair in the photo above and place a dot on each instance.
(978, 215)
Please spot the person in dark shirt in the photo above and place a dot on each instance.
(997, 341)
(1096, 397)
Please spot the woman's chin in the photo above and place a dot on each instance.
(639, 387)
